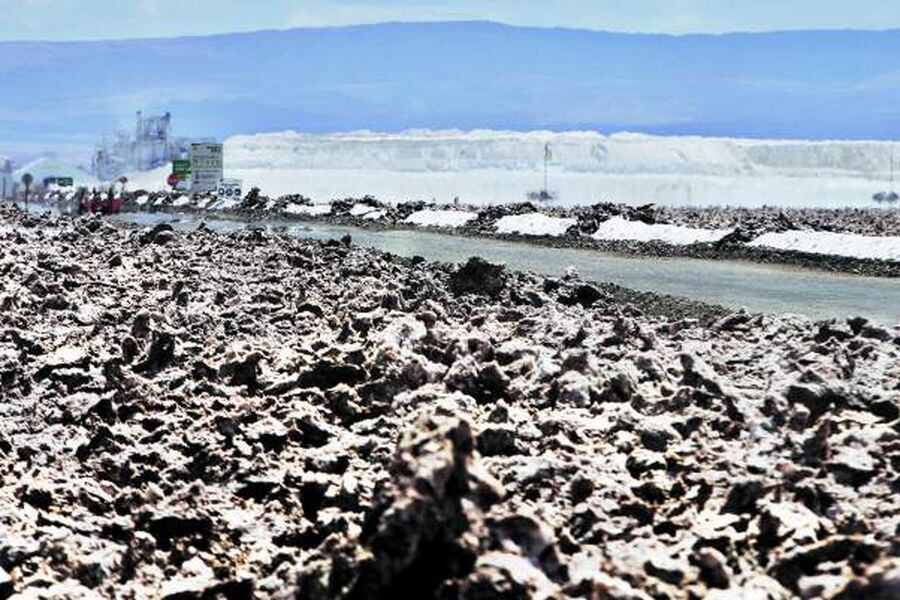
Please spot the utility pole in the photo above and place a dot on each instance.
(892, 195)
(547, 156)
(892, 169)
(27, 180)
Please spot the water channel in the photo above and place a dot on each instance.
(759, 288)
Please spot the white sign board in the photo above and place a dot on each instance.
(206, 167)
(230, 189)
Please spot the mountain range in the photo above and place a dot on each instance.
(465, 75)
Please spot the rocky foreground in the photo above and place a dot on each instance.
(201, 416)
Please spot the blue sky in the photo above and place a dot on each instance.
(104, 19)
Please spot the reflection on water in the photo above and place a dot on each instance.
(759, 288)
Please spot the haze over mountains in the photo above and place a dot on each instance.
(389, 77)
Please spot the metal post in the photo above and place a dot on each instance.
(27, 180)
(546, 162)
(892, 169)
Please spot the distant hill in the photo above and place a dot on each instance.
(389, 77)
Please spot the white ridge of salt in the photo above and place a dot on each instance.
(222, 204)
(183, 200)
(619, 228)
(836, 244)
(501, 167)
(374, 215)
(305, 209)
(210, 203)
(440, 218)
(359, 210)
(534, 224)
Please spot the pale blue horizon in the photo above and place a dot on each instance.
(65, 20)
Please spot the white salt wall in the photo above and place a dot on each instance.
(618, 228)
(585, 152)
(359, 210)
(840, 244)
(310, 210)
(490, 167)
(440, 218)
(483, 187)
(533, 224)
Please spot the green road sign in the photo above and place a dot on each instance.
(182, 168)
(65, 181)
